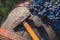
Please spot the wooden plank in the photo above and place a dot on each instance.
(30, 31)
(11, 35)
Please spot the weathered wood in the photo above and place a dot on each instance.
(32, 33)
(11, 35)
(15, 17)
(3, 38)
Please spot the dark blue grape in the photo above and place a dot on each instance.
(45, 8)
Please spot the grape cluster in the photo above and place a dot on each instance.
(46, 9)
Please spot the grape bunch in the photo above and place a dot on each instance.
(46, 9)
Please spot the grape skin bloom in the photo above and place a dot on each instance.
(46, 9)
